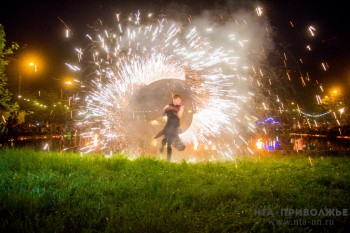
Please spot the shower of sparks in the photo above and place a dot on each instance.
(138, 54)
(221, 65)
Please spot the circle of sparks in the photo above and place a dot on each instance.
(206, 56)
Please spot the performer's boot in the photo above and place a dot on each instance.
(169, 153)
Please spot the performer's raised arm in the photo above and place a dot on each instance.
(166, 107)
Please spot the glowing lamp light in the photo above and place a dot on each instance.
(259, 144)
(33, 65)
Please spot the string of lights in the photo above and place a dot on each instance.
(316, 115)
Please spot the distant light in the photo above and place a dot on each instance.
(259, 144)
(269, 120)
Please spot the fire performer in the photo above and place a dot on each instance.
(174, 113)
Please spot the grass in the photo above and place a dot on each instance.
(52, 192)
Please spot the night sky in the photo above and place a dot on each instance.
(37, 27)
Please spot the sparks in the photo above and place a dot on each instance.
(212, 66)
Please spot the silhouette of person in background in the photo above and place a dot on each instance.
(3, 132)
(298, 145)
(12, 122)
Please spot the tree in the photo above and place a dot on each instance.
(5, 95)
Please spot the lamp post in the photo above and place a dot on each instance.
(337, 105)
(30, 64)
(67, 84)
(19, 86)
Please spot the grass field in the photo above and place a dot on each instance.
(52, 192)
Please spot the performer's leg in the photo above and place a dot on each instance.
(164, 141)
(169, 149)
(159, 134)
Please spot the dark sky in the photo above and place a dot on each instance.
(36, 26)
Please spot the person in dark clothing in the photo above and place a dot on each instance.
(3, 132)
(174, 112)
(12, 123)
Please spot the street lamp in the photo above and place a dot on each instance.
(33, 65)
(30, 64)
(67, 84)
